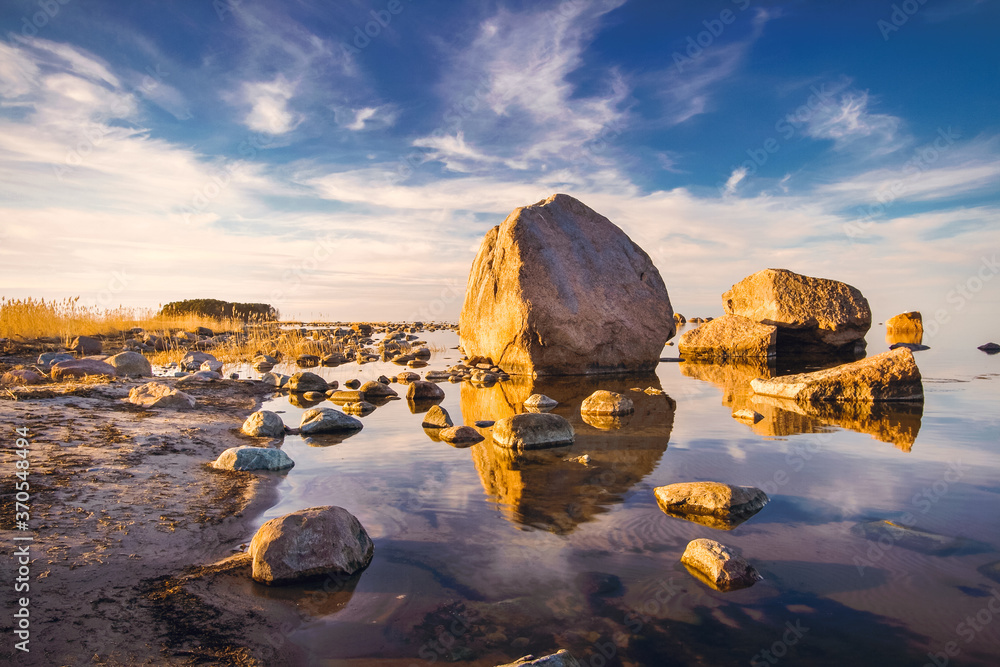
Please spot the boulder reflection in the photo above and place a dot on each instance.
(558, 489)
(896, 423)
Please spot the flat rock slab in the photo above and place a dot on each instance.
(308, 544)
(558, 289)
(719, 566)
(533, 430)
(729, 337)
(160, 395)
(890, 376)
(712, 504)
(253, 458)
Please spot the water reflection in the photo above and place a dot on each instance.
(896, 423)
(558, 489)
(914, 336)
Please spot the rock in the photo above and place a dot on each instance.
(193, 360)
(327, 420)
(561, 658)
(358, 408)
(540, 402)
(747, 415)
(22, 376)
(309, 543)
(912, 347)
(437, 417)
(265, 359)
(406, 377)
(460, 435)
(890, 376)
(807, 311)
(729, 337)
(264, 424)
(253, 458)
(720, 565)
(214, 366)
(680, 319)
(77, 368)
(262, 366)
(421, 390)
(373, 389)
(314, 395)
(307, 361)
(989, 348)
(484, 423)
(304, 381)
(347, 396)
(712, 504)
(274, 379)
(352, 383)
(160, 395)
(911, 321)
(131, 363)
(199, 376)
(533, 430)
(86, 345)
(47, 359)
(557, 289)
(914, 539)
(603, 402)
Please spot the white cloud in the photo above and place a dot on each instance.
(268, 101)
(734, 179)
(850, 120)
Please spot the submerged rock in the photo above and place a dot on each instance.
(310, 543)
(886, 533)
(729, 337)
(160, 395)
(603, 402)
(558, 289)
(890, 376)
(264, 424)
(131, 363)
(712, 504)
(533, 430)
(253, 458)
(807, 311)
(327, 420)
(720, 566)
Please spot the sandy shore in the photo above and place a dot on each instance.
(126, 515)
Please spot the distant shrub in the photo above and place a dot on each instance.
(221, 310)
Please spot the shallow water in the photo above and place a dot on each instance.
(482, 557)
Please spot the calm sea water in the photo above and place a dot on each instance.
(482, 556)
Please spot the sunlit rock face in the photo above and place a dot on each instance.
(555, 489)
(558, 289)
(812, 314)
(729, 337)
(905, 328)
(896, 423)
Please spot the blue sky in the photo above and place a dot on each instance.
(344, 159)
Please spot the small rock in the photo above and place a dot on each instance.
(652, 391)
(253, 458)
(214, 366)
(912, 347)
(86, 345)
(989, 348)
(314, 395)
(407, 377)
(603, 402)
(22, 377)
(304, 381)
(264, 423)
(533, 430)
(358, 408)
(421, 390)
(160, 395)
(727, 506)
(352, 383)
(540, 401)
(460, 435)
(310, 543)
(583, 460)
(307, 361)
(485, 423)
(327, 420)
(274, 379)
(437, 417)
(375, 389)
(131, 363)
(75, 368)
(193, 360)
(747, 415)
(348, 396)
(911, 321)
(47, 359)
(720, 565)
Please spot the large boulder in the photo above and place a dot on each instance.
(558, 289)
(310, 543)
(729, 337)
(533, 430)
(131, 363)
(160, 395)
(890, 376)
(713, 504)
(327, 420)
(720, 565)
(808, 312)
(78, 368)
(264, 424)
(253, 458)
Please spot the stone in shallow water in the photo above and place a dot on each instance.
(540, 402)
(989, 348)
(373, 389)
(264, 424)
(719, 566)
(460, 435)
(729, 337)
(603, 402)
(533, 430)
(358, 408)
(253, 458)
(310, 543)
(421, 390)
(304, 381)
(193, 360)
(712, 504)
(437, 417)
(327, 420)
(914, 539)
(890, 376)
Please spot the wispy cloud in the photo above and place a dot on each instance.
(850, 119)
(268, 102)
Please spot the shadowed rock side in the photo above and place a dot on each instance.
(555, 489)
(896, 423)
(558, 289)
(734, 381)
